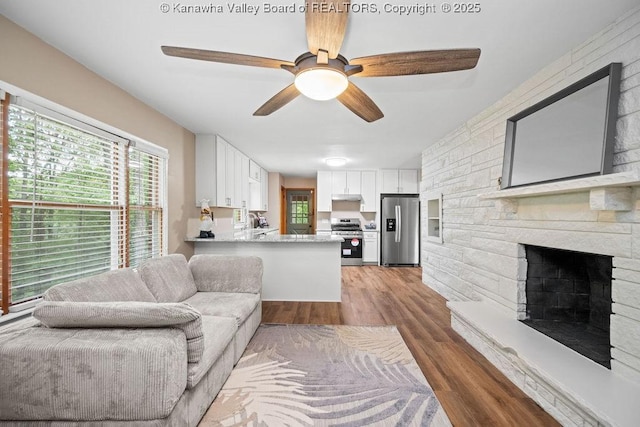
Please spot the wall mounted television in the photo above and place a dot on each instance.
(567, 135)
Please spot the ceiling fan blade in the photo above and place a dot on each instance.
(358, 102)
(224, 57)
(420, 62)
(326, 22)
(279, 100)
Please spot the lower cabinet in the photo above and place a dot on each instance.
(370, 247)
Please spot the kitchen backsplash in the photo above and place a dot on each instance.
(344, 210)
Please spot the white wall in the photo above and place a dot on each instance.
(481, 257)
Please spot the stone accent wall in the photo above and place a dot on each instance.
(482, 254)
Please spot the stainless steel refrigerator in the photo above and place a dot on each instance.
(400, 229)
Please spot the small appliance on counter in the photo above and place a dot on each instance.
(262, 221)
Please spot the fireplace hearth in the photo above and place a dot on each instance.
(569, 299)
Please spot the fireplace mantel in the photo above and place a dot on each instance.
(606, 192)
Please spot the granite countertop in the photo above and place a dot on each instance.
(265, 235)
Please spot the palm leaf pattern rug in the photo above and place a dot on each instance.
(324, 375)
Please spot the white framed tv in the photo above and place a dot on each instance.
(567, 135)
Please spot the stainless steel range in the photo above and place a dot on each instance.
(351, 231)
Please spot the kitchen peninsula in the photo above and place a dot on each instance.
(297, 267)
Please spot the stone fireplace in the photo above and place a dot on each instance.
(481, 263)
(568, 298)
(559, 258)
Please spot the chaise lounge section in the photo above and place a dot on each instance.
(151, 347)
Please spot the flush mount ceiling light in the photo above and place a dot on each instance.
(336, 162)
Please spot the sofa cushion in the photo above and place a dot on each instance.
(218, 334)
(227, 304)
(227, 273)
(65, 314)
(168, 278)
(116, 285)
(91, 374)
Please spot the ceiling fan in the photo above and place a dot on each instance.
(322, 73)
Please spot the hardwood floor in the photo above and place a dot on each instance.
(471, 390)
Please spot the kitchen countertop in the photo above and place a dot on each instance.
(265, 235)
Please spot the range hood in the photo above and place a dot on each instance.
(346, 197)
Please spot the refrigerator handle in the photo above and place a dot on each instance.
(398, 223)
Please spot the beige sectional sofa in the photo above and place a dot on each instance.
(147, 348)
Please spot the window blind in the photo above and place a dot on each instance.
(4, 287)
(147, 182)
(67, 202)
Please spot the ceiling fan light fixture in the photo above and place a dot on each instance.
(322, 83)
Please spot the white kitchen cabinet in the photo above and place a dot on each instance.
(230, 177)
(254, 170)
(346, 182)
(370, 247)
(211, 170)
(242, 177)
(399, 181)
(222, 173)
(338, 182)
(323, 191)
(408, 181)
(354, 182)
(255, 195)
(389, 181)
(369, 201)
(234, 178)
(259, 191)
(264, 186)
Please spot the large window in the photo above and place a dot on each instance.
(79, 201)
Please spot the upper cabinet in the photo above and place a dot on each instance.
(254, 170)
(259, 189)
(242, 179)
(323, 191)
(369, 201)
(346, 182)
(211, 170)
(264, 187)
(399, 181)
(222, 173)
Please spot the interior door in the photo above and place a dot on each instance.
(299, 212)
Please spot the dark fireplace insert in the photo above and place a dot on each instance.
(569, 299)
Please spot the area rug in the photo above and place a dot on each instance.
(321, 375)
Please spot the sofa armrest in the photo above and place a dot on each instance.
(222, 273)
(60, 374)
(129, 314)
